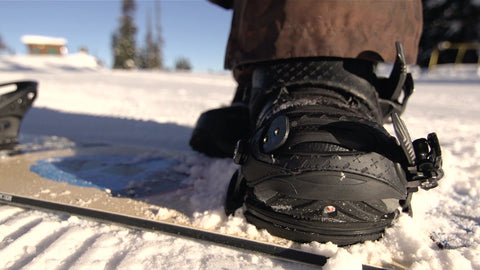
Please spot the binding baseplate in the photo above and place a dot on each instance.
(13, 106)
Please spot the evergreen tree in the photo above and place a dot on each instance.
(123, 41)
(3, 46)
(448, 20)
(153, 60)
(183, 63)
(151, 55)
(158, 34)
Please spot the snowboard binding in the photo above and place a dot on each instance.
(13, 106)
(422, 165)
(319, 166)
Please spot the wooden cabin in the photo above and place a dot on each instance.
(43, 45)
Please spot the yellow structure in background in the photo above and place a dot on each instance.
(460, 50)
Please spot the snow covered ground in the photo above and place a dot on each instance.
(159, 109)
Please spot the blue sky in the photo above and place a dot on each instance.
(195, 29)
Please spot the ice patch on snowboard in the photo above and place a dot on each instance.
(123, 175)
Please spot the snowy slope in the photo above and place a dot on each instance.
(158, 109)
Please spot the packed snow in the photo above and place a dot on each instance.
(83, 103)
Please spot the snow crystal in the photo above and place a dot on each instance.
(343, 260)
(208, 219)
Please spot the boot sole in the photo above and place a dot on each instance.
(302, 230)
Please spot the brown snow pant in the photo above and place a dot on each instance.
(265, 30)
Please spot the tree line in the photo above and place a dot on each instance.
(126, 53)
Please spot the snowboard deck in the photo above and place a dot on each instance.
(130, 186)
(61, 176)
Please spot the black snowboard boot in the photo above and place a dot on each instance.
(319, 166)
(13, 106)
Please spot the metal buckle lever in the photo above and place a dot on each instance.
(424, 156)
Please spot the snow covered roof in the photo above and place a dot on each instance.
(34, 39)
